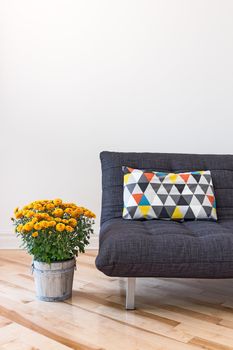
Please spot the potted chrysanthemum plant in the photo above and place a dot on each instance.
(53, 232)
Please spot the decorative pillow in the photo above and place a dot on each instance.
(171, 196)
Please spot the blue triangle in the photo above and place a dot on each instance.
(144, 201)
(161, 174)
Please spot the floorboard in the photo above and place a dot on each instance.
(171, 314)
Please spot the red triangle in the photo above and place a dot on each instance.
(185, 177)
(211, 199)
(149, 176)
(137, 197)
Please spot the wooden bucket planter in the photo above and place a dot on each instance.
(54, 281)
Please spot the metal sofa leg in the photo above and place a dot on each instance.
(130, 293)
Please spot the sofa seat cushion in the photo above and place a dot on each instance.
(156, 248)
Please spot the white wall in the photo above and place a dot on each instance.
(78, 77)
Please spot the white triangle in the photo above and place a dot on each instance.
(126, 214)
(180, 180)
(131, 202)
(127, 194)
(151, 214)
(162, 190)
(195, 202)
(209, 191)
(203, 181)
(136, 174)
(199, 190)
(137, 189)
(195, 209)
(202, 214)
(131, 179)
(206, 202)
(187, 190)
(191, 180)
(157, 201)
(137, 214)
(174, 190)
(169, 201)
(149, 193)
(183, 209)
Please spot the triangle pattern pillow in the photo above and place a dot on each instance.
(171, 196)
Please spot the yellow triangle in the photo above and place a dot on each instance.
(173, 177)
(214, 212)
(177, 214)
(126, 178)
(125, 211)
(144, 209)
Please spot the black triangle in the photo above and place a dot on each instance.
(189, 215)
(155, 186)
(207, 177)
(175, 197)
(192, 187)
(197, 177)
(157, 210)
(168, 187)
(182, 201)
(170, 209)
(204, 187)
(143, 185)
(208, 210)
(164, 214)
(180, 188)
(131, 187)
(143, 178)
(200, 197)
(163, 197)
(132, 210)
(188, 198)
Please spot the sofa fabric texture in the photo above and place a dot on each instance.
(170, 196)
(158, 248)
(153, 248)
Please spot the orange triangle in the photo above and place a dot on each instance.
(130, 169)
(137, 197)
(149, 176)
(211, 199)
(185, 177)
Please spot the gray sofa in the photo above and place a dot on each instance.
(158, 248)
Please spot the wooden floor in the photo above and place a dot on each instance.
(171, 314)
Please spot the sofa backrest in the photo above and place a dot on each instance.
(221, 167)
